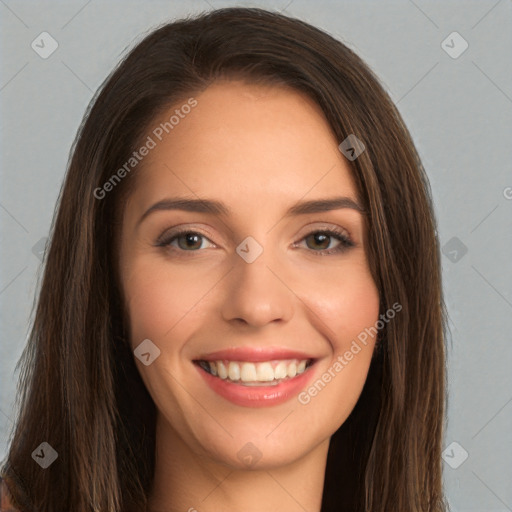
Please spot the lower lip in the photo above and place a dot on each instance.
(257, 396)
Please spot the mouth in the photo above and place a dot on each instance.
(251, 374)
(256, 378)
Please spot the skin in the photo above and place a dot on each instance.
(258, 149)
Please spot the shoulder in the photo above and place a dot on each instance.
(5, 498)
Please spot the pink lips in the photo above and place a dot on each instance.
(256, 396)
(254, 354)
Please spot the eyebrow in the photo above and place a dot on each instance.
(219, 208)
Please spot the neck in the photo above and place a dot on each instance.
(186, 480)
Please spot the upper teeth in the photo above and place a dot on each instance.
(266, 371)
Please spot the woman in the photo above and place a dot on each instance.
(241, 305)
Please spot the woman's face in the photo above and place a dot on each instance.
(254, 288)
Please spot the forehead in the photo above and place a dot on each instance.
(243, 141)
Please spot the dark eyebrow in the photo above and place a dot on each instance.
(324, 205)
(218, 208)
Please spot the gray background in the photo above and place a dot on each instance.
(459, 111)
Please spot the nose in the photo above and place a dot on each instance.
(257, 294)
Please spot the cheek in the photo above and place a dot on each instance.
(345, 301)
(164, 307)
(354, 308)
(161, 300)
(346, 310)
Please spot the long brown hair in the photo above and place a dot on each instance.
(79, 388)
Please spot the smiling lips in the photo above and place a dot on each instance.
(256, 374)
(254, 377)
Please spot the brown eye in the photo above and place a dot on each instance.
(320, 242)
(190, 241)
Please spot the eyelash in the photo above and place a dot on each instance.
(346, 242)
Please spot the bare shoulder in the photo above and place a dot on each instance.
(5, 498)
